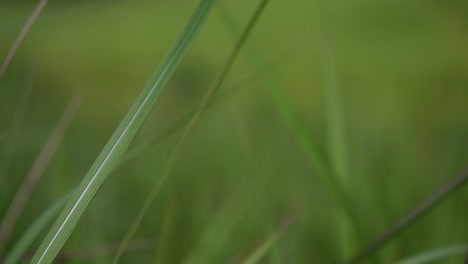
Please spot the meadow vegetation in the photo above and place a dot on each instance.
(270, 132)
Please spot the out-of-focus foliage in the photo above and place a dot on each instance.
(402, 70)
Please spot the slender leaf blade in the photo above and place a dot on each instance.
(120, 140)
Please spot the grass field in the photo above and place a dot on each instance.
(335, 119)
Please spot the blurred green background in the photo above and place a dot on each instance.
(402, 69)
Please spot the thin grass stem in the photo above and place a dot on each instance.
(24, 31)
(336, 130)
(412, 216)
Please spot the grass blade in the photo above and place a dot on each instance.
(416, 213)
(336, 132)
(24, 31)
(189, 127)
(119, 141)
(435, 255)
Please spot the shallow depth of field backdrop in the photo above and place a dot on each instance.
(401, 68)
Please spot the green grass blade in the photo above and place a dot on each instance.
(205, 102)
(435, 255)
(120, 140)
(20, 247)
(336, 132)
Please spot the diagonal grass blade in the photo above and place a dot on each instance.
(120, 140)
